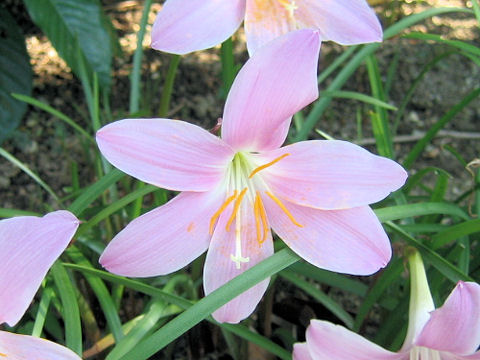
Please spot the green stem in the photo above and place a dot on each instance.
(137, 61)
(168, 86)
(228, 65)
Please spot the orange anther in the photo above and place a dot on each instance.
(285, 210)
(238, 201)
(220, 210)
(267, 165)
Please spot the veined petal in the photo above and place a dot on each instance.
(183, 26)
(331, 174)
(167, 153)
(164, 239)
(18, 347)
(300, 352)
(346, 22)
(348, 241)
(266, 20)
(327, 341)
(220, 268)
(455, 327)
(29, 246)
(273, 85)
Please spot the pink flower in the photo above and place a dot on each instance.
(18, 347)
(183, 26)
(451, 332)
(314, 194)
(29, 246)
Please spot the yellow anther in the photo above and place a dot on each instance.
(258, 224)
(236, 206)
(285, 210)
(220, 210)
(267, 165)
(260, 219)
(2, 354)
(263, 215)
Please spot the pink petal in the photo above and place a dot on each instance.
(327, 341)
(19, 347)
(220, 268)
(330, 174)
(167, 153)
(455, 327)
(300, 352)
(348, 241)
(183, 26)
(344, 21)
(265, 20)
(273, 85)
(29, 246)
(164, 239)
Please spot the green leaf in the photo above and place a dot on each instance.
(15, 74)
(203, 308)
(421, 144)
(353, 95)
(405, 211)
(94, 191)
(76, 27)
(71, 312)
(455, 232)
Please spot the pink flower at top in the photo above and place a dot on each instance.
(451, 332)
(183, 26)
(29, 245)
(314, 194)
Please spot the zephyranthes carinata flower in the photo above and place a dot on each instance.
(183, 26)
(314, 194)
(451, 332)
(29, 245)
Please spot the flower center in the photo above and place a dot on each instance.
(423, 353)
(242, 184)
(290, 6)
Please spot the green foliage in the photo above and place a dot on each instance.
(77, 30)
(15, 74)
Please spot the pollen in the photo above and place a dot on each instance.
(3, 355)
(285, 210)
(260, 168)
(220, 210)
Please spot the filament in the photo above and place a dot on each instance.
(267, 165)
(285, 210)
(238, 201)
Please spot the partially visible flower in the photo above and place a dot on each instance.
(451, 332)
(183, 26)
(29, 245)
(314, 194)
(23, 347)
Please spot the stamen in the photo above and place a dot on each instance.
(2, 354)
(238, 201)
(256, 211)
(267, 165)
(290, 6)
(220, 210)
(263, 215)
(285, 210)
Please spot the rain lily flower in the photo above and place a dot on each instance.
(314, 194)
(183, 26)
(29, 245)
(451, 332)
(20, 347)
